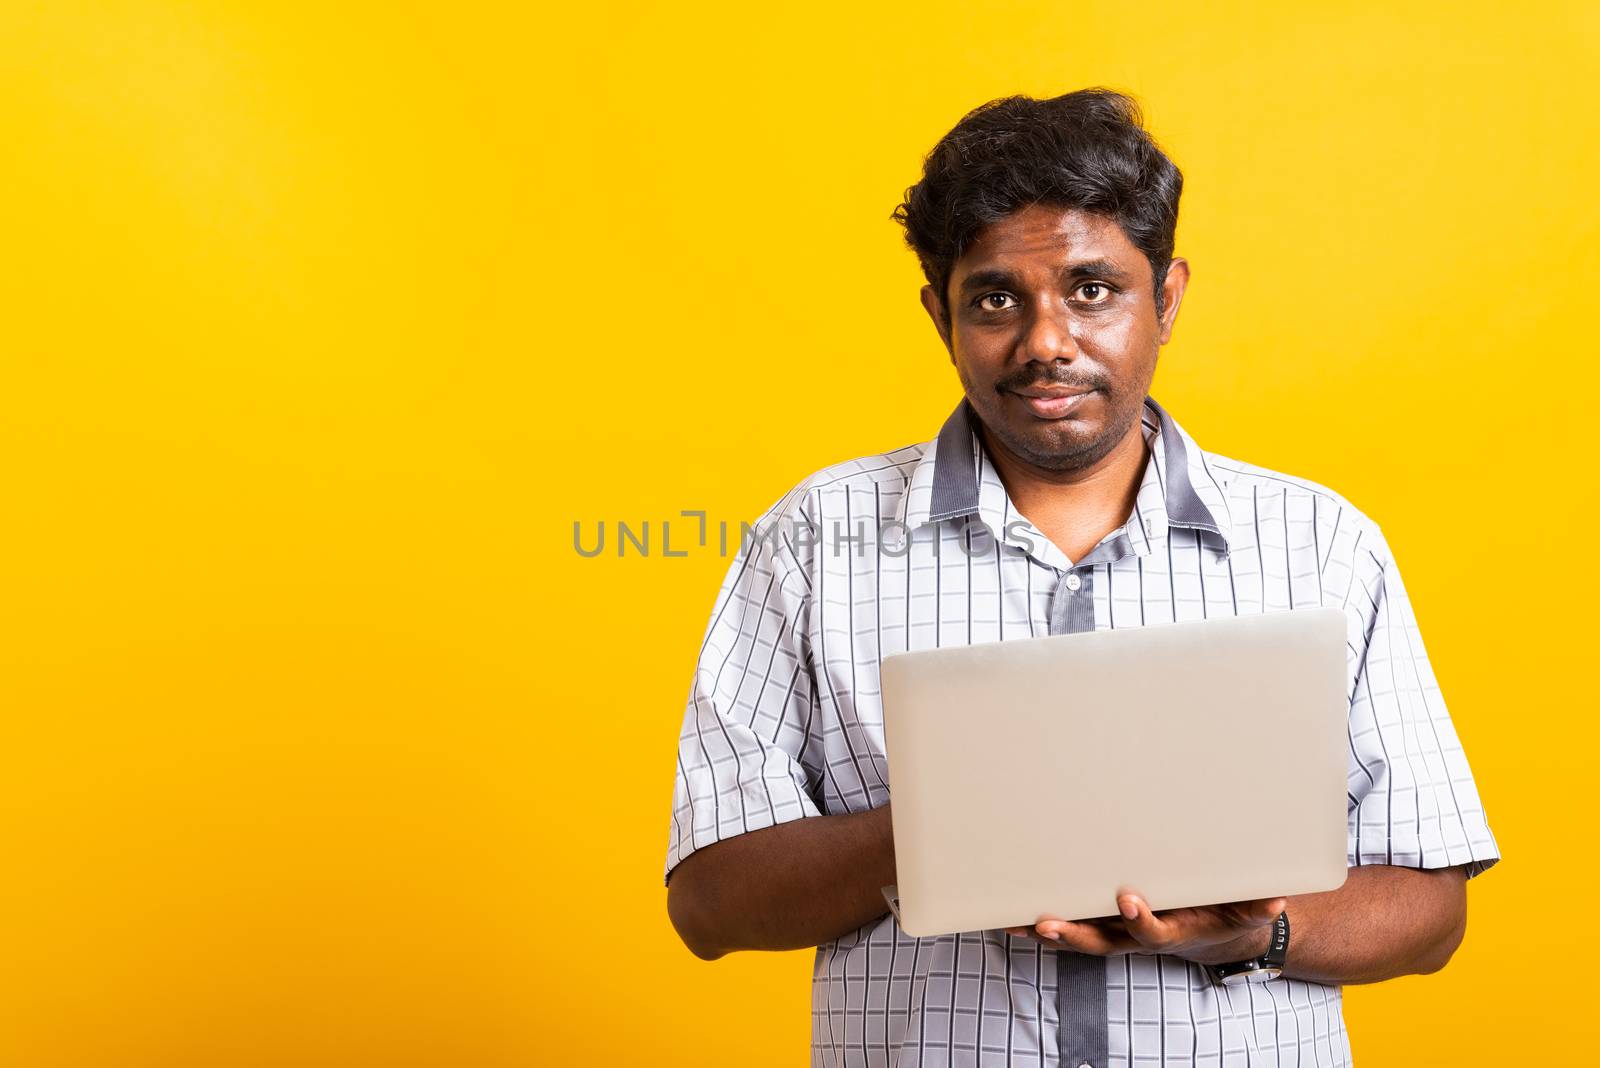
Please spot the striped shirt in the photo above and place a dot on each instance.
(920, 548)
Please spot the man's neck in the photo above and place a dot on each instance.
(1075, 509)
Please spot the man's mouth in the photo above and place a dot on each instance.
(1053, 402)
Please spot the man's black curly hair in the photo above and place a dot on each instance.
(1086, 150)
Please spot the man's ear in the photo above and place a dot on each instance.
(1172, 290)
(935, 309)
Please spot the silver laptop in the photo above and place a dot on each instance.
(1194, 763)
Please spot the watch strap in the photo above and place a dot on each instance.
(1258, 969)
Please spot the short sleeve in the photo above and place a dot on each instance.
(750, 705)
(1412, 799)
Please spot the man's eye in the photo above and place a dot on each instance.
(1094, 292)
(983, 301)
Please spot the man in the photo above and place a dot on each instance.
(1058, 497)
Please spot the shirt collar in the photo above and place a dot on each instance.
(954, 479)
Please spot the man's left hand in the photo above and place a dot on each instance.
(1207, 934)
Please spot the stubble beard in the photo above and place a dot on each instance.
(1072, 455)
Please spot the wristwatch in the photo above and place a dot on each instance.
(1259, 969)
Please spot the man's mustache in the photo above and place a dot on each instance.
(1028, 377)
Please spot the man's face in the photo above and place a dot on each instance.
(1054, 333)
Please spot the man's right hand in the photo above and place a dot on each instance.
(1206, 934)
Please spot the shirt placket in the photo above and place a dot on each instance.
(1083, 1037)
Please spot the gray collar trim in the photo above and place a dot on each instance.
(1184, 506)
(955, 467)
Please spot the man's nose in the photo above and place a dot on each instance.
(1048, 336)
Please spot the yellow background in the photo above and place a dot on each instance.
(324, 322)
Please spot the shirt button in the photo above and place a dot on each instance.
(1074, 583)
(1085, 1064)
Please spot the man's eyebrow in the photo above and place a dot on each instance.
(995, 277)
(1097, 269)
(986, 277)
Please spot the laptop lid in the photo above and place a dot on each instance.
(1194, 763)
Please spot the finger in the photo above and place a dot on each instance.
(1270, 907)
(1054, 941)
(1086, 937)
(1028, 931)
(1144, 925)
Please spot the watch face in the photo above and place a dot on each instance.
(1251, 973)
(1263, 974)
